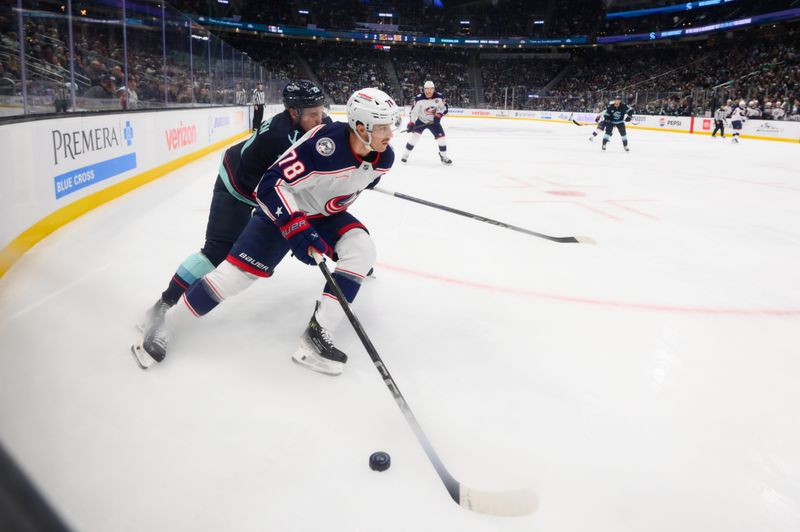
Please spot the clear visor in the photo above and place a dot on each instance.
(394, 125)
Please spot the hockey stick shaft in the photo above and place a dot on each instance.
(559, 239)
(416, 129)
(452, 485)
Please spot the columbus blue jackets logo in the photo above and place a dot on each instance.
(326, 147)
(340, 203)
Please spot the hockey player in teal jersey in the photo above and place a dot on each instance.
(303, 201)
(615, 116)
(233, 199)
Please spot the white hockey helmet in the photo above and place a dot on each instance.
(429, 85)
(742, 103)
(372, 107)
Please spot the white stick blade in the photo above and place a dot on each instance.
(585, 240)
(503, 503)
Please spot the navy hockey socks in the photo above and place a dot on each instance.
(201, 298)
(348, 283)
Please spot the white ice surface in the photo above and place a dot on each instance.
(648, 383)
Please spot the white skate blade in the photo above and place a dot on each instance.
(143, 360)
(308, 357)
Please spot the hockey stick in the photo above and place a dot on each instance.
(508, 503)
(559, 239)
(578, 123)
(416, 129)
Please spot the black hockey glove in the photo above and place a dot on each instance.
(628, 118)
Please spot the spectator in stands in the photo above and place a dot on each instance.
(7, 83)
(95, 71)
(118, 75)
(794, 114)
(128, 98)
(107, 88)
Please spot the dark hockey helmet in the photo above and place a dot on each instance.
(302, 94)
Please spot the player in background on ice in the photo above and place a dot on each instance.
(258, 100)
(615, 116)
(601, 126)
(233, 199)
(738, 117)
(303, 200)
(427, 112)
(719, 121)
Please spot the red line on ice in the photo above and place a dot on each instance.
(652, 307)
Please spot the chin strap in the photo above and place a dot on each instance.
(368, 143)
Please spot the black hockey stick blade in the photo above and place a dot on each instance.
(507, 504)
(558, 239)
(576, 122)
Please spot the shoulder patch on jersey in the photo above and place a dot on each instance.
(326, 146)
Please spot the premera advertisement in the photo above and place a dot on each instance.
(57, 162)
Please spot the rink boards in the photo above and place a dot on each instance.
(64, 167)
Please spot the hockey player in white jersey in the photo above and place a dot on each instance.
(303, 200)
(753, 111)
(427, 112)
(778, 113)
(738, 117)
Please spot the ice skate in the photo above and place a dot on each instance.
(445, 159)
(317, 352)
(153, 314)
(627, 148)
(153, 346)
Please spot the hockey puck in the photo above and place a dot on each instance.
(380, 461)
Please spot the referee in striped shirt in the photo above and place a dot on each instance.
(258, 106)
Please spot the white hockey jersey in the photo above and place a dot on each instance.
(425, 108)
(319, 175)
(753, 112)
(738, 114)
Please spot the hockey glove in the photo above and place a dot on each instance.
(410, 127)
(437, 118)
(302, 238)
(628, 118)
